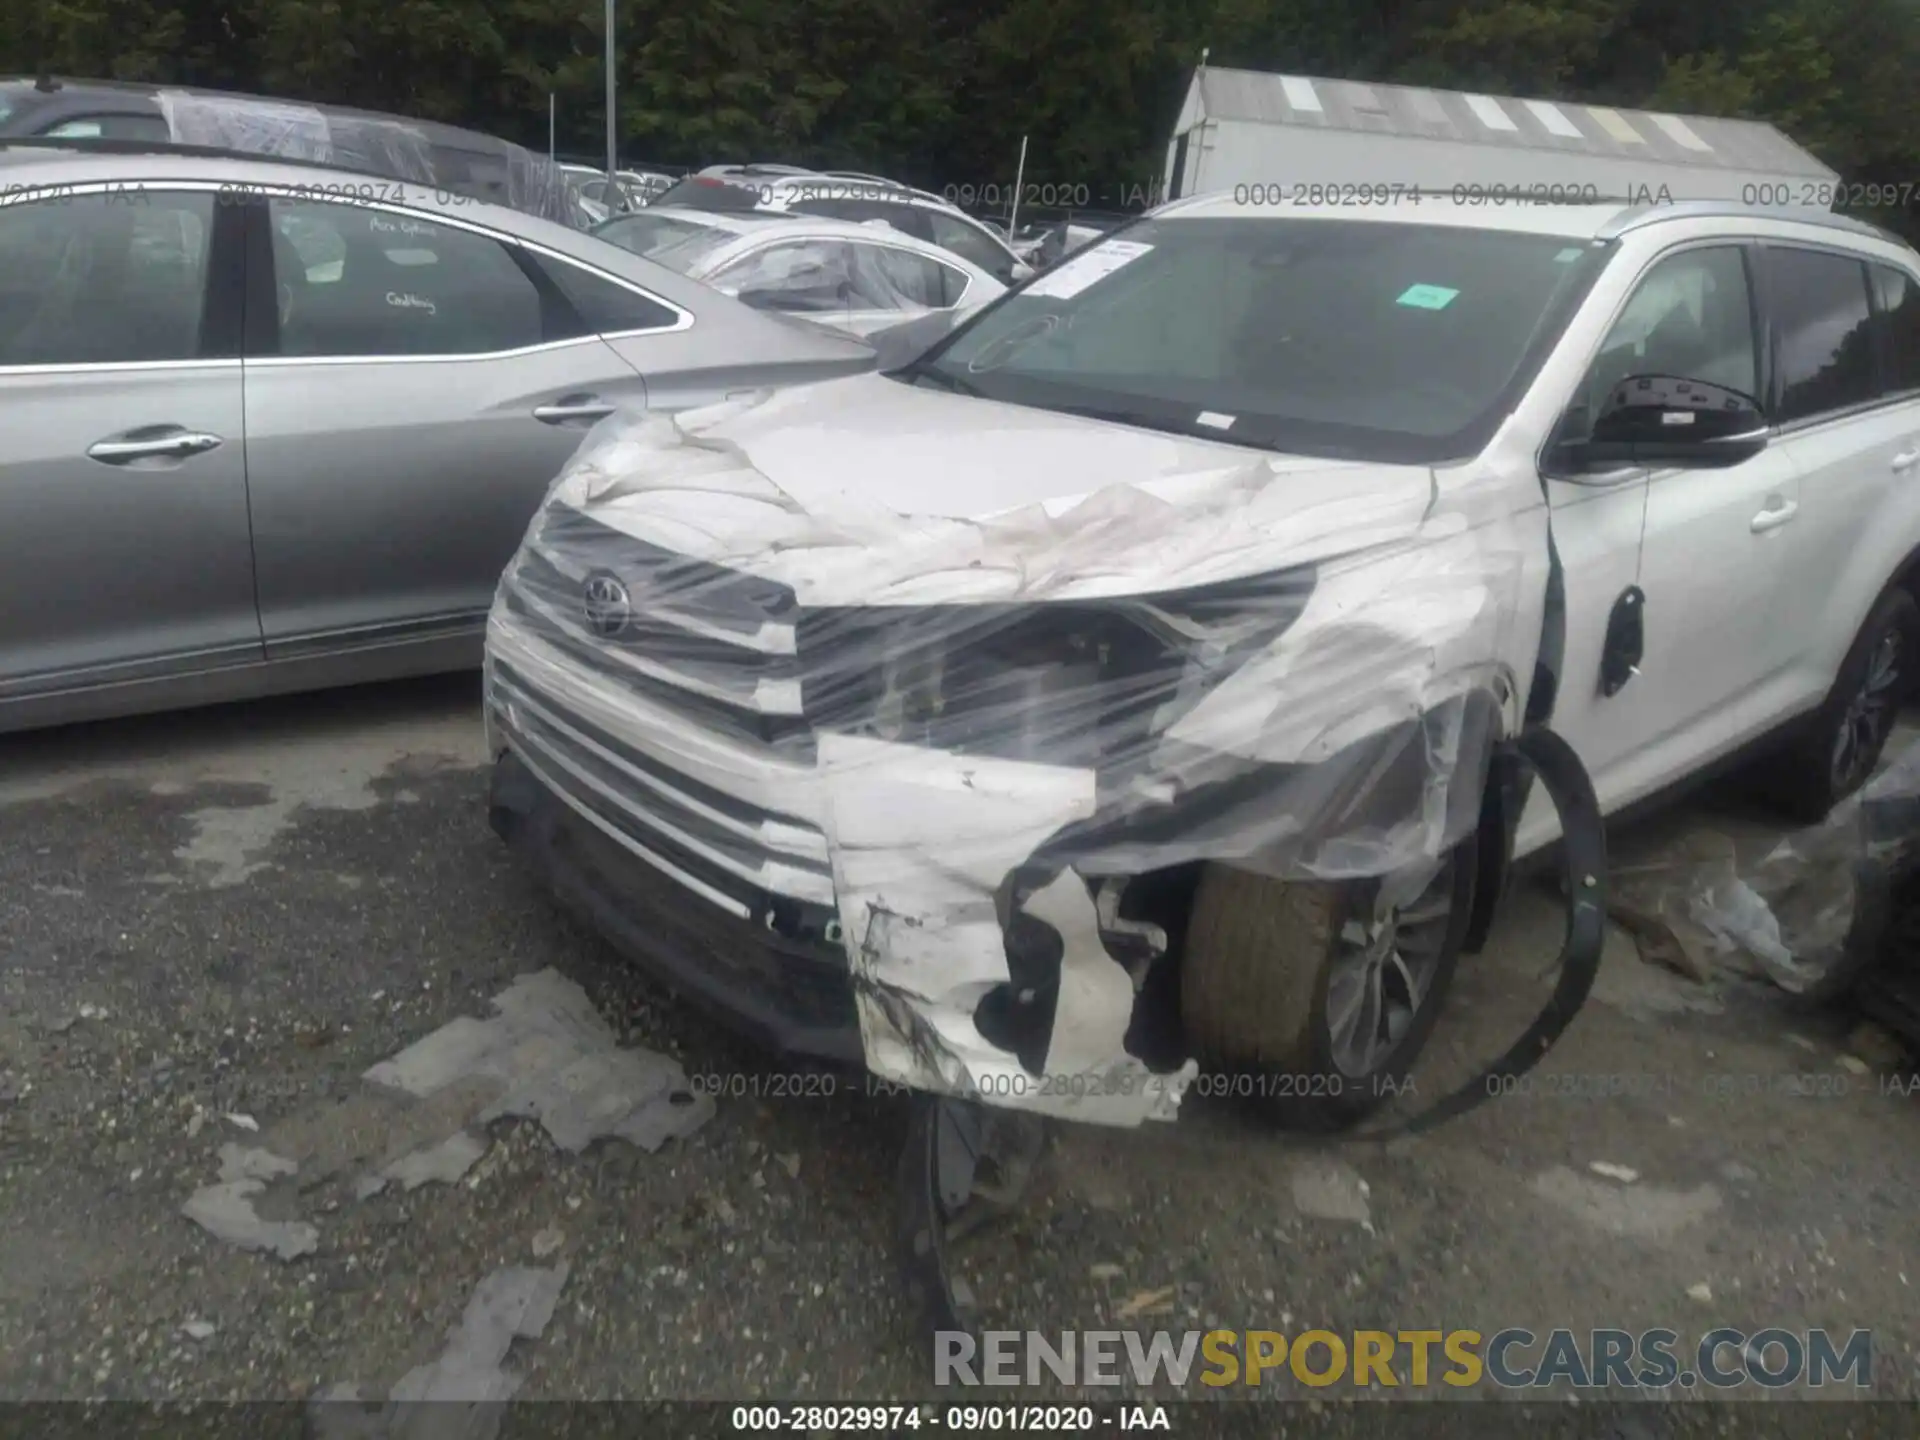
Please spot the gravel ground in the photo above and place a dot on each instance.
(235, 913)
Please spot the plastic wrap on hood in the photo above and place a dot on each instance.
(947, 731)
(435, 156)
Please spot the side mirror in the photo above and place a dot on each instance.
(1020, 273)
(1664, 420)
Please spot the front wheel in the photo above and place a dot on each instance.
(1842, 743)
(1315, 997)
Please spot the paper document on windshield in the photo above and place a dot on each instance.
(1088, 267)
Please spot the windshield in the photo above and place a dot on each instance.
(1354, 339)
(666, 240)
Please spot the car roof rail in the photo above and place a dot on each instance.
(1642, 215)
(105, 145)
(933, 199)
(721, 172)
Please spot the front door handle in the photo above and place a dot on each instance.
(573, 407)
(1905, 461)
(153, 442)
(1774, 517)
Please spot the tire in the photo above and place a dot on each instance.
(1259, 965)
(1841, 744)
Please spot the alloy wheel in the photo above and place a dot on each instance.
(1382, 972)
(1868, 718)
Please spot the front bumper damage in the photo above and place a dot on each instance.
(929, 746)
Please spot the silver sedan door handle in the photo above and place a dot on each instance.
(573, 407)
(160, 442)
(1905, 461)
(1774, 517)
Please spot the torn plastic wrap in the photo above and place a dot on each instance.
(1809, 914)
(824, 278)
(939, 739)
(299, 132)
(419, 154)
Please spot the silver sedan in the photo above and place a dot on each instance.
(274, 427)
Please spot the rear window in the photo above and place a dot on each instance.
(706, 192)
(120, 126)
(666, 240)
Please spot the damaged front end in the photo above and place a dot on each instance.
(956, 771)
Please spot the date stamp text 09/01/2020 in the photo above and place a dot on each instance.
(1718, 1086)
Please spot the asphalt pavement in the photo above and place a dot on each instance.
(212, 924)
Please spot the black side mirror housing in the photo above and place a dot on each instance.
(1657, 421)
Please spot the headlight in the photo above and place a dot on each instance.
(1082, 684)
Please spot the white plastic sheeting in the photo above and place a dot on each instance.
(1808, 914)
(821, 276)
(298, 132)
(419, 154)
(1180, 651)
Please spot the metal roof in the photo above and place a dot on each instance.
(1410, 113)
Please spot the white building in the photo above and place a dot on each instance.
(1243, 127)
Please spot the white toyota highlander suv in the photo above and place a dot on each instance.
(1116, 693)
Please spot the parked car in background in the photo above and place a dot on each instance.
(262, 439)
(423, 152)
(601, 199)
(859, 278)
(632, 189)
(840, 195)
(1046, 243)
(589, 188)
(646, 186)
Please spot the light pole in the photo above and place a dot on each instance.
(613, 159)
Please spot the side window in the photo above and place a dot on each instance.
(354, 280)
(1822, 331)
(111, 127)
(1690, 316)
(102, 279)
(604, 307)
(969, 243)
(1899, 297)
(798, 276)
(888, 278)
(914, 220)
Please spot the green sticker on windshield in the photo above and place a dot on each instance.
(1427, 297)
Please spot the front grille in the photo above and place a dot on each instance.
(711, 652)
(699, 638)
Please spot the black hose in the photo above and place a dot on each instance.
(1583, 850)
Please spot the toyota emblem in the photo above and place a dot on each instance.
(607, 604)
